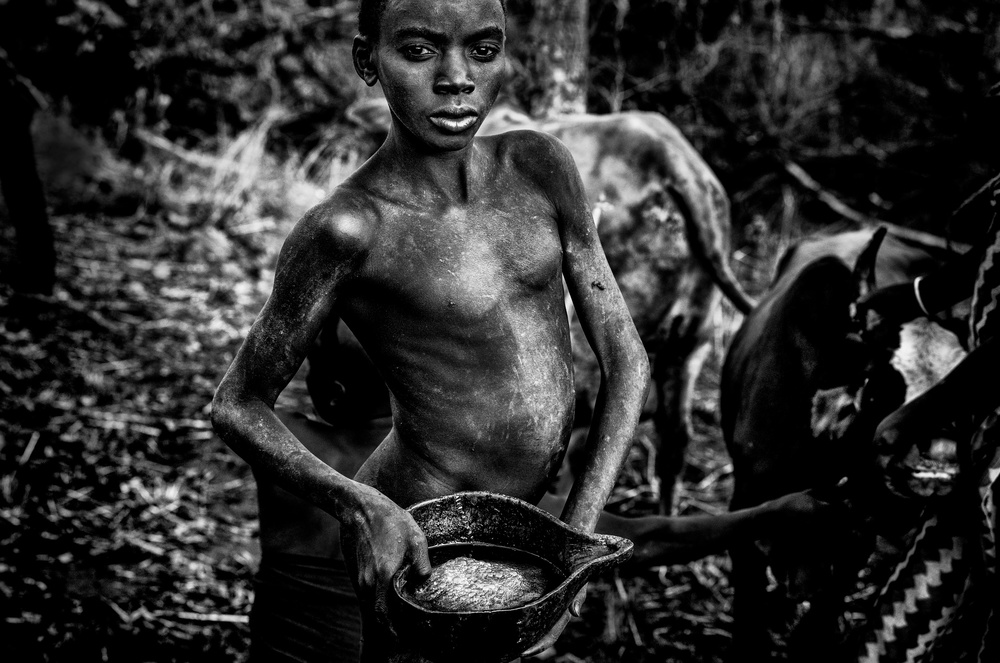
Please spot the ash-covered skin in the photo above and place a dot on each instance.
(445, 255)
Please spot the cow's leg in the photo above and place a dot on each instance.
(817, 635)
(682, 345)
(751, 637)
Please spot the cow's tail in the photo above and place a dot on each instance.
(707, 226)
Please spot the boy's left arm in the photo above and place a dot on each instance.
(613, 337)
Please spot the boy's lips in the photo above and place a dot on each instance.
(454, 120)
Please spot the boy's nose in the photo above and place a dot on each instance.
(454, 76)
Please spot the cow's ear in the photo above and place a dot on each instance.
(864, 268)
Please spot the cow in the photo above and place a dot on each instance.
(664, 222)
(802, 391)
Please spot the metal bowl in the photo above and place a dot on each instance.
(490, 520)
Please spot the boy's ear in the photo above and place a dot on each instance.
(364, 60)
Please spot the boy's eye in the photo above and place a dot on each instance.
(485, 52)
(417, 51)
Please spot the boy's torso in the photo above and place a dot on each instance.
(460, 306)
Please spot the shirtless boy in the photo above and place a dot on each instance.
(445, 254)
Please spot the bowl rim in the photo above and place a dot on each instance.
(621, 544)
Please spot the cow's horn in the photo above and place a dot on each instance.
(864, 268)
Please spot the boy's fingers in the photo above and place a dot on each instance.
(830, 493)
(366, 586)
(421, 561)
(382, 607)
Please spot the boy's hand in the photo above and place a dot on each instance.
(384, 538)
(813, 508)
(804, 504)
(550, 638)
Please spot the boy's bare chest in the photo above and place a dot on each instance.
(466, 260)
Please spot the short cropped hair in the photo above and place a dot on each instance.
(370, 17)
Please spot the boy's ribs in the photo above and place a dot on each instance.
(664, 222)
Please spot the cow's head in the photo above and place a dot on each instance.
(898, 366)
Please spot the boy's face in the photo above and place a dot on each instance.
(441, 65)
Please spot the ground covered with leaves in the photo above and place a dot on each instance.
(128, 530)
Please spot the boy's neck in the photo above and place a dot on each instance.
(449, 177)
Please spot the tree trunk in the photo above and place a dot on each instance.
(34, 267)
(558, 37)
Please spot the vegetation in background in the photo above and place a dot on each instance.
(882, 102)
(183, 137)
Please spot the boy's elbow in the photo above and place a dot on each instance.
(637, 361)
(642, 359)
(224, 411)
(220, 414)
(629, 369)
(645, 377)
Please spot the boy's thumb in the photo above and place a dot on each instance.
(421, 562)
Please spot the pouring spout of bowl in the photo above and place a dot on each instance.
(596, 553)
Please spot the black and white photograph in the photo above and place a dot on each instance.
(499, 331)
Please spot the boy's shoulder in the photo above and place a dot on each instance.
(345, 220)
(540, 158)
(533, 149)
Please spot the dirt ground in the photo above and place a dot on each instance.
(126, 526)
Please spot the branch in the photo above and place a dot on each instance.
(825, 196)
(840, 207)
(161, 143)
(886, 34)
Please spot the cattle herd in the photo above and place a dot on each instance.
(801, 390)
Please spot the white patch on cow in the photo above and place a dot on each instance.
(833, 411)
(927, 352)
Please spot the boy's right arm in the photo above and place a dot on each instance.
(319, 255)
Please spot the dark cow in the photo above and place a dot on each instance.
(802, 392)
(664, 222)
